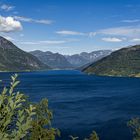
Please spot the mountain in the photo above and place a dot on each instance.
(14, 59)
(85, 58)
(76, 60)
(59, 61)
(124, 62)
(54, 60)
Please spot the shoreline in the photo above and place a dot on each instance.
(90, 74)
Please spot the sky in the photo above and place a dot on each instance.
(70, 26)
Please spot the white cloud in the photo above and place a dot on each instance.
(53, 42)
(41, 21)
(76, 33)
(127, 31)
(131, 20)
(135, 40)
(23, 19)
(29, 43)
(122, 31)
(46, 42)
(112, 39)
(8, 24)
(6, 7)
(67, 32)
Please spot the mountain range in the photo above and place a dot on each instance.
(124, 62)
(54, 60)
(14, 59)
(59, 61)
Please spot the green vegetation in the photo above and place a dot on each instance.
(134, 124)
(42, 119)
(124, 62)
(20, 119)
(93, 136)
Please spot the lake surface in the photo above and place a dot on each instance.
(82, 103)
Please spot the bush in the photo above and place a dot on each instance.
(20, 119)
(41, 125)
(93, 136)
(134, 124)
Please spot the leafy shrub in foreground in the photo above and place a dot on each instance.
(20, 119)
(93, 136)
(41, 124)
(134, 124)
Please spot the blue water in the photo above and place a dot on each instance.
(82, 103)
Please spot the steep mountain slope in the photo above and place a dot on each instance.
(14, 59)
(54, 60)
(124, 62)
(85, 58)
